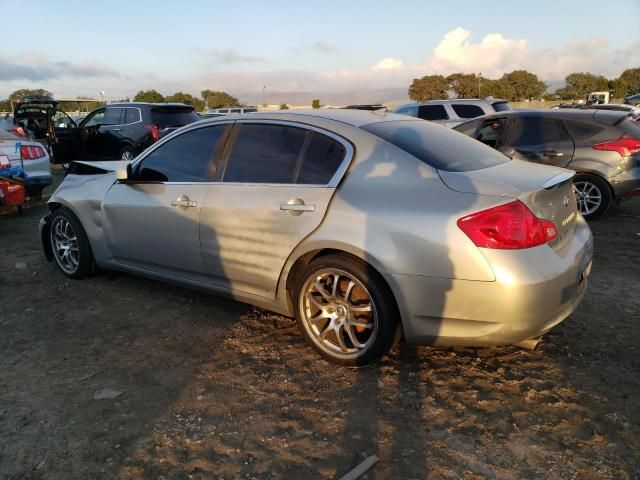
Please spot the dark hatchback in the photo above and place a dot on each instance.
(602, 147)
(119, 131)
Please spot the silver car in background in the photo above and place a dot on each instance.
(364, 226)
(454, 111)
(29, 155)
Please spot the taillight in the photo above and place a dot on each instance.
(507, 227)
(154, 132)
(624, 146)
(31, 152)
(19, 131)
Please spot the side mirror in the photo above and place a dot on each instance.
(508, 151)
(124, 174)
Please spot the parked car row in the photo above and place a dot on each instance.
(364, 226)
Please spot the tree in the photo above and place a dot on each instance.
(218, 99)
(284, 106)
(18, 94)
(431, 87)
(465, 85)
(315, 103)
(628, 83)
(521, 85)
(181, 97)
(580, 83)
(150, 96)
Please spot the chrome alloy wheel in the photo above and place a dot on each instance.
(64, 244)
(338, 313)
(127, 156)
(588, 196)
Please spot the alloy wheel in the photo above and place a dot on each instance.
(588, 196)
(127, 155)
(64, 243)
(338, 313)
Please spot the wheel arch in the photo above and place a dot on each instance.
(299, 260)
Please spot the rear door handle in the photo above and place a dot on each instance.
(117, 129)
(183, 201)
(296, 206)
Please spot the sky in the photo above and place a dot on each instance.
(288, 51)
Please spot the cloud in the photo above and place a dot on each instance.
(388, 63)
(495, 55)
(39, 68)
(229, 56)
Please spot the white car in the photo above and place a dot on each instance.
(31, 156)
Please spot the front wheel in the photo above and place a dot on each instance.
(127, 154)
(592, 194)
(70, 245)
(345, 310)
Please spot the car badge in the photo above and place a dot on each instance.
(566, 201)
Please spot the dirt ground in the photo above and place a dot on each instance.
(121, 377)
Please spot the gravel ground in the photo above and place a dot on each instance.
(122, 377)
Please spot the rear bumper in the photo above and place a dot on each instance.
(627, 183)
(534, 290)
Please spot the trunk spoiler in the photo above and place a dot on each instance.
(558, 180)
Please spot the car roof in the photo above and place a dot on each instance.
(354, 118)
(490, 101)
(140, 104)
(608, 117)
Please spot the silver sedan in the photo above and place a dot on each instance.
(366, 227)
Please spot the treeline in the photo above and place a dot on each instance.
(209, 99)
(521, 85)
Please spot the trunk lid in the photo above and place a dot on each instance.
(546, 191)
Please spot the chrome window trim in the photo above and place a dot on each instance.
(333, 182)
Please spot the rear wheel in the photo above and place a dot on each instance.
(592, 194)
(345, 310)
(70, 245)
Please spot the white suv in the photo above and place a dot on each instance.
(455, 111)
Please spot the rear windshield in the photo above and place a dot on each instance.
(173, 116)
(437, 146)
(501, 106)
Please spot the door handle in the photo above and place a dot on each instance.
(552, 153)
(183, 201)
(296, 206)
(117, 129)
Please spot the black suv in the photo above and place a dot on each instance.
(118, 131)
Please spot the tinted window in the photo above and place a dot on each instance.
(582, 131)
(223, 110)
(173, 116)
(432, 112)
(441, 148)
(185, 158)
(96, 119)
(501, 106)
(537, 131)
(264, 154)
(132, 115)
(235, 110)
(250, 110)
(467, 111)
(113, 116)
(321, 160)
(411, 110)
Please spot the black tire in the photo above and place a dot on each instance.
(85, 265)
(588, 187)
(384, 317)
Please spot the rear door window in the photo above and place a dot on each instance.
(465, 110)
(132, 115)
(166, 117)
(186, 157)
(441, 148)
(114, 116)
(537, 131)
(432, 112)
(411, 110)
(263, 153)
(321, 159)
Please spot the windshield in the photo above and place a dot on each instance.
(173, 116)
(437, 146)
